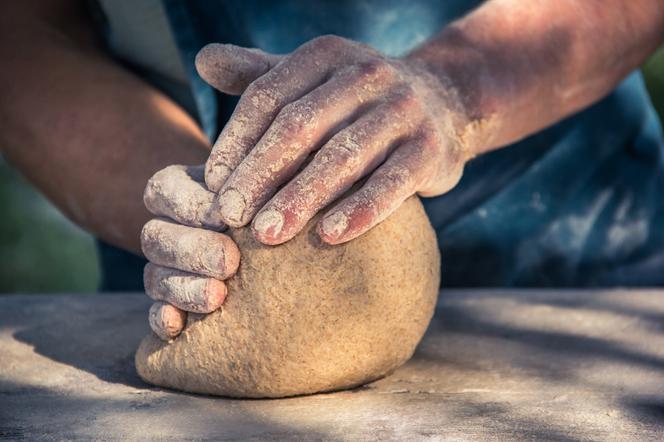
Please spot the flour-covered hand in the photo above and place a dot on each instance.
(189, 257)
(311, 124)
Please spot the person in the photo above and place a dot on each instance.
(523, 125)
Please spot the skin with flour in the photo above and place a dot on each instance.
(493, 77)
(405, 125)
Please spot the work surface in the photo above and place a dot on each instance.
(493, 365)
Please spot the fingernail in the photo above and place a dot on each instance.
(269, 222)
(334, 225)
(215, 294)
(232, 205)
(213, 260)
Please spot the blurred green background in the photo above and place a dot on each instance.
(42, 251)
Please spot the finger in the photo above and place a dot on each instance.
(186, 291)
(230, 68)
(189, 249)
(299, 129)
(347, 157)
(166, 320)
(296, 75)
(178, 193)
(405, 171)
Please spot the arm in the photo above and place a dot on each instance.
(311, 124)
(406, 125)
(82, 129)
(520, 68)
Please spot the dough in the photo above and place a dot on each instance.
(305, 317)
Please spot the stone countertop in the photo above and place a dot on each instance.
(494, 364)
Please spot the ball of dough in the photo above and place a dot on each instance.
(306, 317)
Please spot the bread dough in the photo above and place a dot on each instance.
(305, 317)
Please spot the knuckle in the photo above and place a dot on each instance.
(261, 94)
(398, 173)
(163, 185)
(397, 177)
(405, 99)
(345, 150)
(147, 233)
(375, 69)
(152, 188)
(151, 193)
(151, 232)
(295, 118)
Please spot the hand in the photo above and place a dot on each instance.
(319, 120)
(189, 258)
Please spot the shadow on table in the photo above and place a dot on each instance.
(571, 350)
(27, 413)
(471, 336)
(557, 351)
(102, 343)
(601, 301)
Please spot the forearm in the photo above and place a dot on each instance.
(86, 132)
(518, 67)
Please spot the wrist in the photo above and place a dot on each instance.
(465, 87)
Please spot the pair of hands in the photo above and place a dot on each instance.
(307, 127)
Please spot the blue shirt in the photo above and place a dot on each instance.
(578, 204)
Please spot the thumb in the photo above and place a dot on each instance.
(230, 68)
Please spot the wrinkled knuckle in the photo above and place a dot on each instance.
(150, 232)
(160, 185)
(147, 232)
(296, 118)
(406, 100)
(398, 177)
(261, 94)
(346, 151)
(375, 69)
(151, 193)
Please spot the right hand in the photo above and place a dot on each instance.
(311, 124)
(189, 257)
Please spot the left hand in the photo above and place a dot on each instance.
(356, 112)
(189, 257)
